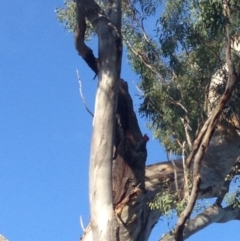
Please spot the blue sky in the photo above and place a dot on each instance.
(45, 130)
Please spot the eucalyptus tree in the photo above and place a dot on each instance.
(189, 70)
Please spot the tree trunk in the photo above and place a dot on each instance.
(121, 187)
(131, 194)
(107, 26)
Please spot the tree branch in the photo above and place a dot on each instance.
(81, 94)
(79, 36)
(213, 214)
(201, 144)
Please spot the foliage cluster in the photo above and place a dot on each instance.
(67, 15)
(175, 47)
(166, 201)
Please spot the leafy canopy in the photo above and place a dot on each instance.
(175, 47)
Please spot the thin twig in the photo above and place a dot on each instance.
(81, 94)
(186, 172)
(175, 172)
(186, 128)
(81, 224)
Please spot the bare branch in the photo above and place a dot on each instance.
(81, 224)
(186, 128)
(186, 174)
(213, 214)
(175, 173)
(81, 94)
(2, 238)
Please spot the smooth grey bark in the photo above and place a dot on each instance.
(2, 238)
(213, 214)
(103, 222)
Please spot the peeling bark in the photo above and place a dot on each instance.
(129, 163)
